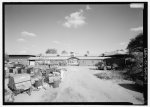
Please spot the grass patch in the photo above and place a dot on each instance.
(107, 75)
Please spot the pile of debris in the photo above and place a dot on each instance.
(33, 79)
(11, 69)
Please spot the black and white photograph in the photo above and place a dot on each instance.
(75, 53)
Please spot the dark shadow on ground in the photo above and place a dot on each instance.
(133, 87)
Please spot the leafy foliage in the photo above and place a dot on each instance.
(64, 52)
(85, 55)
(135, 47)
(136, 44)
(51, 51)
(88, 52)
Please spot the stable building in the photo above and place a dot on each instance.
(117, 58)
(22, 59)
(90, 60)
(47, 60)
(66, 60)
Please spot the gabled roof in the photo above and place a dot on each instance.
(73, 57)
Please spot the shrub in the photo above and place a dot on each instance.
(135, 47)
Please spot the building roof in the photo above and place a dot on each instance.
(91, 57)
(73, 57)
(19, 55)
(48, 57)
(65, 57)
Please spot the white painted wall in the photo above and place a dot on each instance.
(31, 62)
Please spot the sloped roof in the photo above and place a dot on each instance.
(66, 57)
(91, 57)
(73, 57)
(21, 55)
(48, 57)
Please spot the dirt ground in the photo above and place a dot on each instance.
(80, 85)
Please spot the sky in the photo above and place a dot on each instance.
(32, 29)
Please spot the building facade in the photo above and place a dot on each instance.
(23, 59)
(67, 60)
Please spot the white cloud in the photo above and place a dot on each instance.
(137, 5)
(88, 7)
(75, 19)
(56, 42)
(25, 33)
(140, 28)
(21, 40)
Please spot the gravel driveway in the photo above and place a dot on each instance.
(80, 85)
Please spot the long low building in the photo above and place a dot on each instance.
(66, 60)
(23, 59)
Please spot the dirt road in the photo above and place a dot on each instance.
(80, 85)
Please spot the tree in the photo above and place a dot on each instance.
(136, 70)
(51, 51)
(135, 48)
(72, 54)
(136, 44)
(103, 54)
(64, 52)
(85, 55)
(87, 52)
